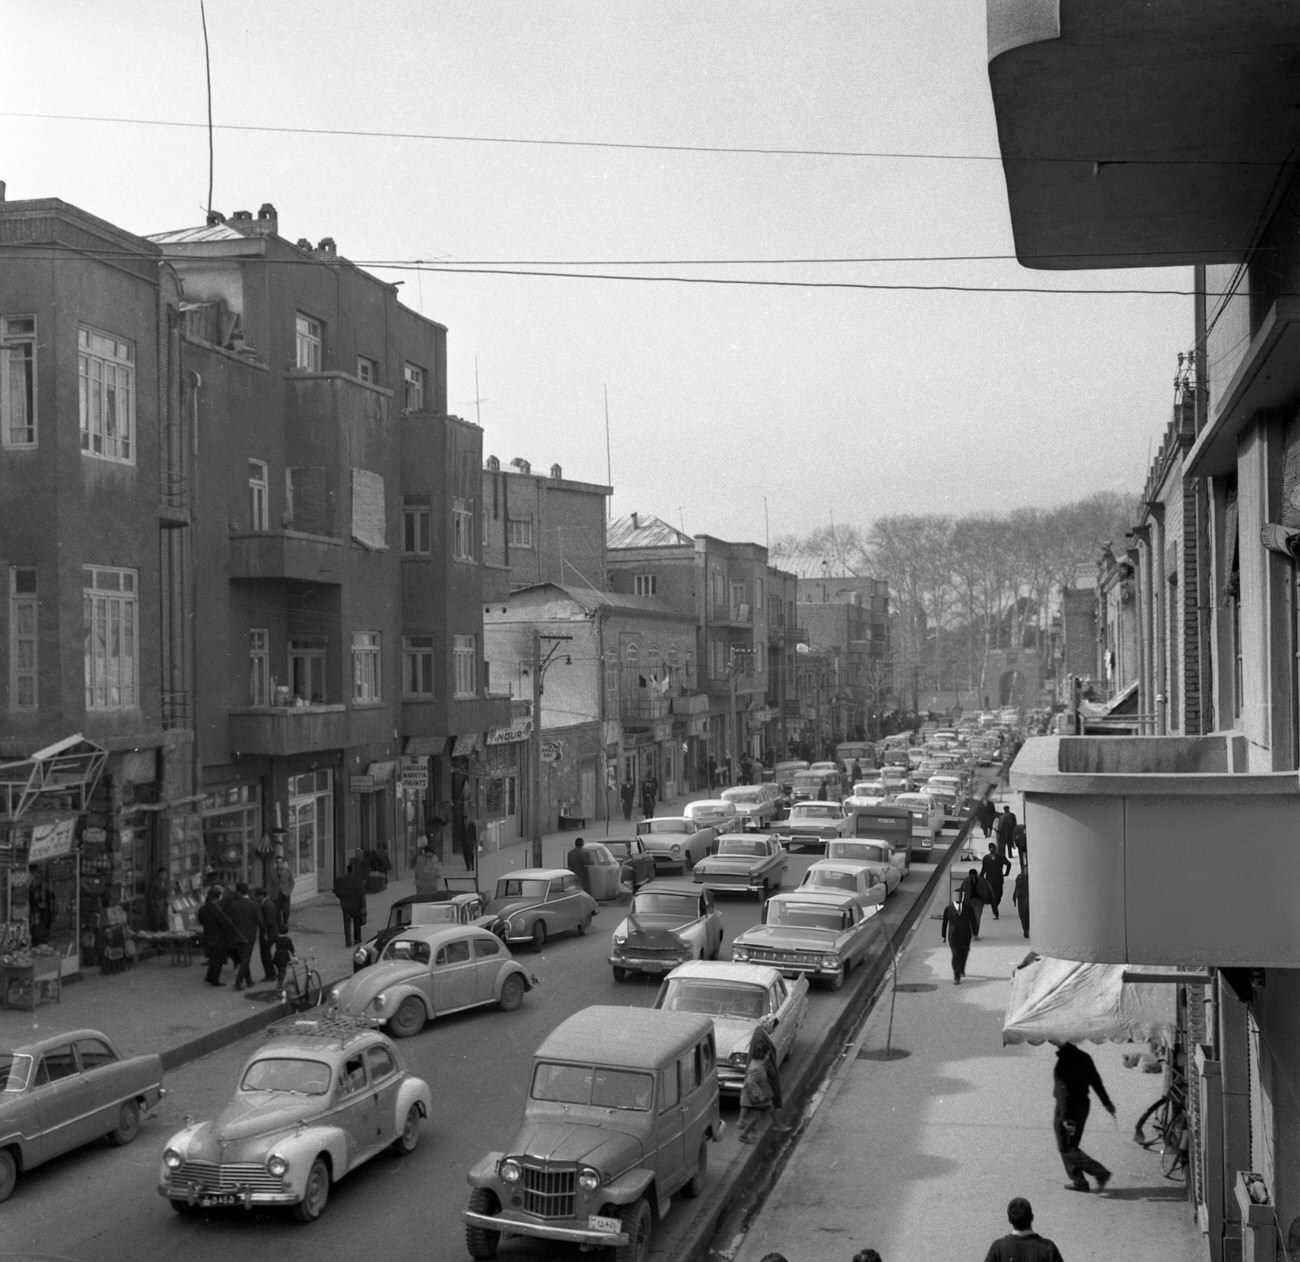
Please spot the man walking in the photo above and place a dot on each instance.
(977, 894)
(1024, 1244)
(985, 814)
(995, 869)
(247, 920)
(1004, 831)
(576, 861)
(649, 795)
(350, 890)
(1073, 1076)
(469, 844)
(428, 871)
(266, 933)
(627, 794)
(282, 891)
(1020, 899)
(956, 929)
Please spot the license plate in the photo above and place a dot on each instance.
(215, 1199)
(654, 966)
(596, 1223)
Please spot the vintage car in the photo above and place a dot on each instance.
(65, 1090)
(865, 793)
(315, 1100)
(849, 878)
(668, 922)
(735, 997)
(813, 824)
(817, 786)
(927, 822)
(818, 933)
(719, 814)
(635, 863)
(446, 907)
(743, 861)
(877, 856)
(890, 823)
(675, 841)
(622, 1105)
(944, 796)
(756, 804)
(896, 780)
(784, 772)
(533, 904)
(431, 970)
(605, 869)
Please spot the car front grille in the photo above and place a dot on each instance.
(769, 955)
(741, 879)
(653, 953)
(210, 1177)
(549, 1192)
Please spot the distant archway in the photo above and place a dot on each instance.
(1009, 688)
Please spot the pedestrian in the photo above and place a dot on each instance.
(628, 796)
(281, 893)
(350, 890)
(985, 814)
(577, 861)
(428, 872)
(1073, 1076)
(755, 1096)
(1024, 1244)
(266, 932)
(956, 929)
(1004, 831)
(1020, 898)
(995, 869)
(42, 908)
(977, 892)
(283, 954)
(469, 845)
(855, 771)
(866, 1255)
(713, 771)
(218, 934)
(1021, 842)
(157, 897)
(649, 795)
(246, 920)
(761, 1045)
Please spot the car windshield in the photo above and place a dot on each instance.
(805, 916)
(512, 887)
(818, 810)
(664, 826)
(287, 1073)
(407, 949)
(687, 906)
(832, 880)
(809, 779)
(749, 798)
(594, 1085)
(15, 1069)
(852, 850)
(714, 998)
(620, 849)
(741, 846)
(434, 914)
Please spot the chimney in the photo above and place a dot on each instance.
(215, 217)
(242, 221)
(636, 521)
(268, 222)
(2, 190)
(303, 244)
(325, 248)
(522, 465)
(493, 464)
(556, 472)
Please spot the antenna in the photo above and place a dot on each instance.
(767, 530)
(609, 467)
(207, 75)
(681, 521)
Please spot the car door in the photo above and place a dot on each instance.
(355, 1110)
(64, 1102)
(712, 919)
(670, 1131)
(452, 977)
(489, 955)
(106, 1084)
(384, 1081)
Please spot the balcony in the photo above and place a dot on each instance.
(691, 703)
(644, 709)
(281, 731)
(1156, 850)
(287, 554)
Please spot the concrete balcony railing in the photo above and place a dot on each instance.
(287, 554)
(644, 708)
(1160, 850)
(691, 703)
(280, 731)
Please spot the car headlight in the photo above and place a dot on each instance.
(510, 1171)
(830, 961)
(360, 957)
(739, 952)
(277, 1165)
(676, 850)
(379, 1001)
(588, 1179)
(172, 1159)
(740, 1059)
(619, 939)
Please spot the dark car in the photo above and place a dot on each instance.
(446, 907)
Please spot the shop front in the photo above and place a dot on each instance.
(499, 797)
(308, 840)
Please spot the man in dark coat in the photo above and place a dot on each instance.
(267, 932)
(1020, 899)
(576, 861)
(627, 795)
(994, 869)
(1073, 1076)
(1021, 843)
(246, 918)
(1024, 1244)
(975, 890)
(649, 795)
(1004, 831)
(350, 890)
(956, 929)
(985, 814)
(218, 934)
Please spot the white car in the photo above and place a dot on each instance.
(877, 856)
(719, 814)
(756, 804)
(675, 841)
(847, 878)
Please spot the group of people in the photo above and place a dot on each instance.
(649, 795)
(235, 919)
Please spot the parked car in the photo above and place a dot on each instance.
(878, 856)
(622, 1105)
(429, 971)
(862, 883)
(675, 841)
(735, 997)
(636, 864)
(818, 933)
(65, 1090)
(717, 813)
(743, 861)
(813, 824)
(927, 821)
(605, 869)
(443, 908)
(318, 1098)
(533, 904)
(756, 804)
(668, 922)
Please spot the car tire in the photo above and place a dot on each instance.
(583, 925)
(834, 983)
(184, 1208)
(409, 1138)
(717, 950)
(408, 1020)
(481, 1242)
(621, 974)
(512, 993)
(636, 1222)
(128, 1124)
(539, 935)
(695, 1187)
(316, 1193)
(8, 1173)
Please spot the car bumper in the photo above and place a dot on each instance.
(728, 881)
(238, 1198)
(643, 964)
(793, 966)
(546, 1231)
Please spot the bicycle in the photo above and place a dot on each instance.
(302, 984)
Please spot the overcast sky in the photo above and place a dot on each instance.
(742, 411)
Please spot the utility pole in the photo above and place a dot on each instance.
(535, 759)
(735, 736)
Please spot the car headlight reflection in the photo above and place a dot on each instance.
(830, 961)
(739, 952)
(277, 1165)
(172, 1159)
(333, 997)
(676, 850)
(510, 1171)
(588, 1179)
(619, 939)
(360, 956)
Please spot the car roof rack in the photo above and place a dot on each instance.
(333, 1027)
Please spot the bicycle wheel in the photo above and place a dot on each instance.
(1173, 1151)
(311, 995)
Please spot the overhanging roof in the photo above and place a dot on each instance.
(60, 775)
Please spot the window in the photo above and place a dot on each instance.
(258, 496)
(670, 1092)
(417, 528)
(758, 593)
(18, 381)
(646, 584)
(463, 653)
(259, 667)
(367, 370)
(22, 638)
(417, 666)
(520, 532)
(307, 670)
(413, 398)
(462, 529)
(365, 666)
(309, 342)
(106, 373)
(112, 654)
(454, 953)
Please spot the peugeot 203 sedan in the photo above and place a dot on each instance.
(317, 1099)
(675, 841)
(66, 1090)
(622, 1106)
(668, 922)
(743, 861)
(756, 804)
(735, 997)
(443, 908)
(533, 904)
(429, 971)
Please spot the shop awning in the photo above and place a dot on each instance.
(383, 771)
(468, 744)
(424, 746)
(1065, 1001)
(60, 776)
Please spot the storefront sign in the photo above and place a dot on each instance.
(551, 751)
(519, 730)
(51, 839)
(415, 774)
(662, 731)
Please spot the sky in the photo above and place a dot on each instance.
(600, 138)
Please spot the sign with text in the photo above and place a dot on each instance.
(415, 772)
(51, 839)
(519, 730)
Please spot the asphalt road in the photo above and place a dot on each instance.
(102, 1205)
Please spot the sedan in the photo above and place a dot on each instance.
(668, 922)
(442, 908)
(847, 878)
(737, 997)
(757, 804)
(636, 863)
(814, 824)
(817, 933)
(604, 871)
(60, 1092)
(675, 841)
(743, 861)
(875, 856)
(430, 971)
(533, 904)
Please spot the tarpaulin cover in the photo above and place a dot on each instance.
(1064, 1001)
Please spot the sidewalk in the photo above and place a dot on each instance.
(156, 1006)
(917, 1154)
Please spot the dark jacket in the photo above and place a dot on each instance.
(350, 890)
(1028, 1248)
(218, 932)
(994, 869)
(956, 927)
(269, 922)
(246, 917)
(1004, 829)
(1072, 1076)
(577, 860)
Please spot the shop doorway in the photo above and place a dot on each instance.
(309, 840)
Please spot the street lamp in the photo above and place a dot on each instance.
(826, 569)
(540, 666)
